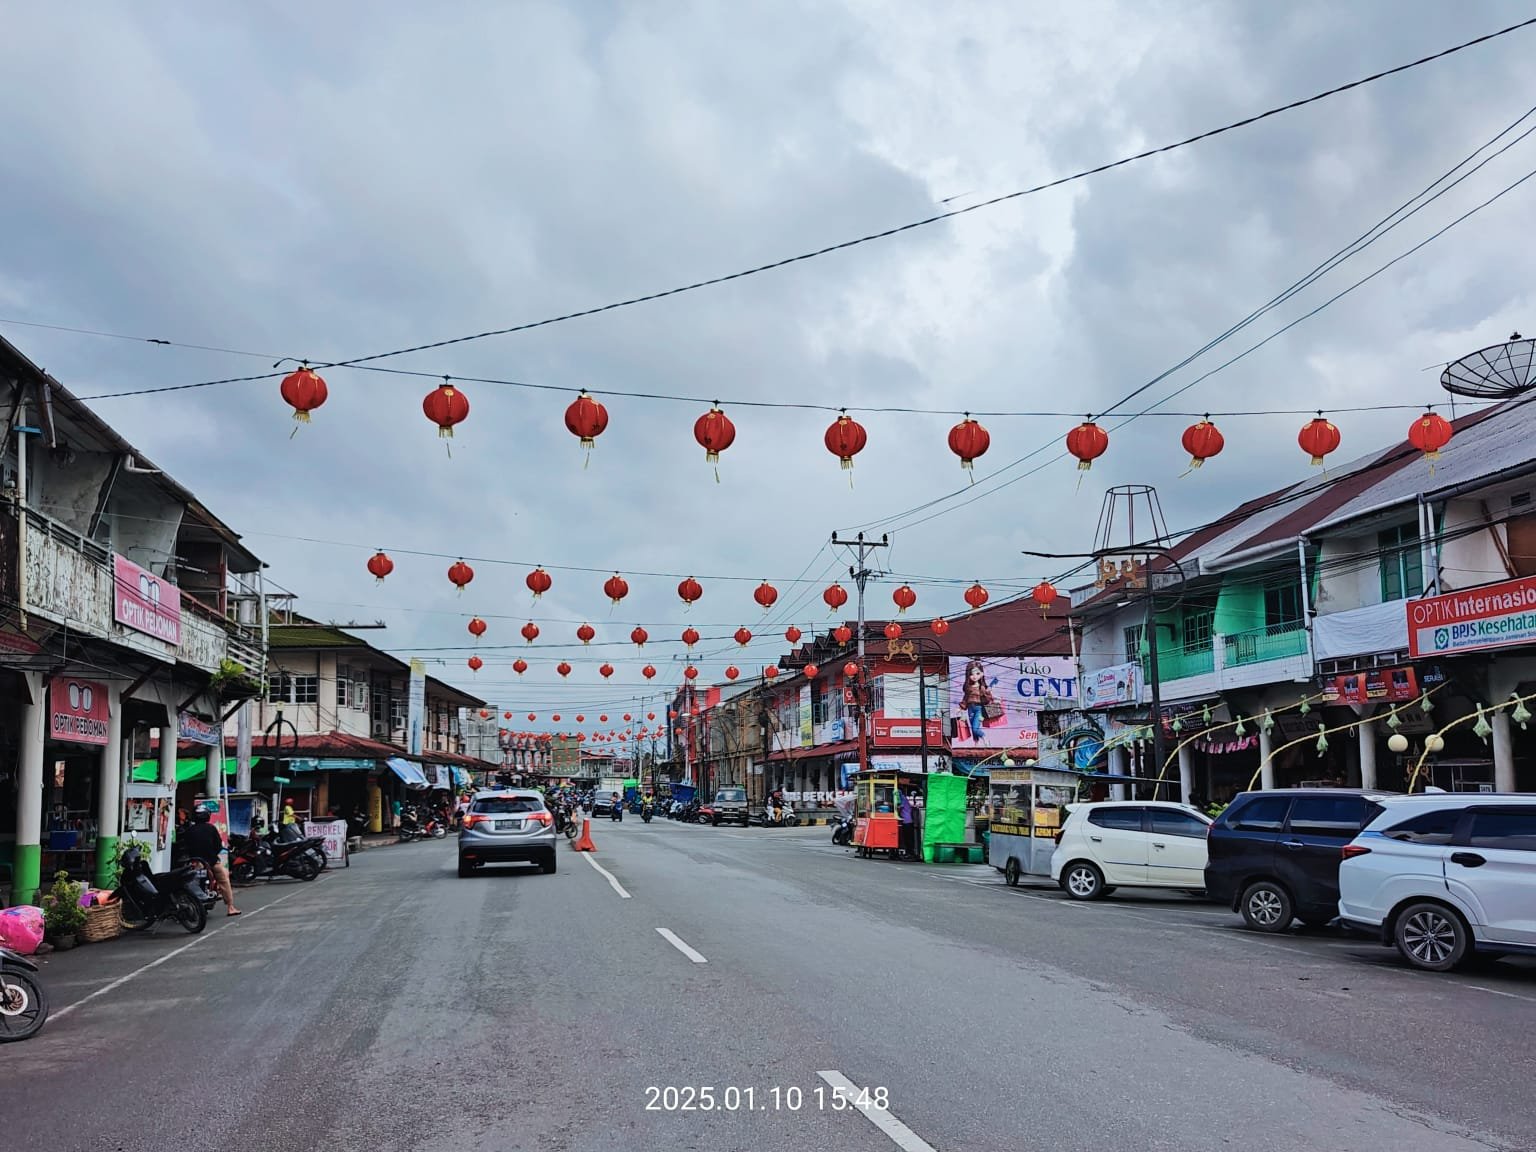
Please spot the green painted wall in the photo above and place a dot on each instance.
(1239, 606)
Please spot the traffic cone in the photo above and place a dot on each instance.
(583, 843)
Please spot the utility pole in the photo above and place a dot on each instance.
(860, 573)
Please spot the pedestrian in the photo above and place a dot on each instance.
(394, 813)
(289, 816)
(201, 841)
(905, 815)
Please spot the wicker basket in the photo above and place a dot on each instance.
(102, 922)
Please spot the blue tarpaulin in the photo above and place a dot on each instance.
(413, 776)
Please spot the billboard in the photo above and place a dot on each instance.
(1117, 684)
(996, 700)
(1493, 616)
(145, 602)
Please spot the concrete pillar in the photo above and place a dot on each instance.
(27, 863)
(1117, 767)
(213, 777)
(1266, 754)
(168, 736)
(1186, 774)
(109, 792)
(1503, 751)
(1367, 739)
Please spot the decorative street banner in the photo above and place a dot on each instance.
(996, 700)
(77, 711)
(416, 707)
(1493, 616)
(194, 730)
(145, 602)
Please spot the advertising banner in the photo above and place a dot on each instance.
(334, 833)
(1493, 616)
(1117, 684)
(416, 706)
(77, 710)
(996, 700)
(807, 731)
(194, 730)
(145, 602)
(1393, 685)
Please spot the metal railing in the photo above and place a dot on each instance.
(1178, 663)
(1274, 642)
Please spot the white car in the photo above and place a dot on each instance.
(1137, 843)
(1444, 875)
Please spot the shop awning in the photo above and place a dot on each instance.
(410, 773)
(194, 768)
(462, 778)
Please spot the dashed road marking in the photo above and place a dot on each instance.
(677, 942)
(902, 1136)
(613, 880)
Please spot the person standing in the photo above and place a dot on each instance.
(904, 812)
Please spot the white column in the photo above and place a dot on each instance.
(213, 778)
(1186, 774)
(29, 791)
(243, 748)
(1266, 752)
(1367, 736)
(1117, 767)
(168, 737)
(1503, 751)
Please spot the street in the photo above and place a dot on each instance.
(393, 1005)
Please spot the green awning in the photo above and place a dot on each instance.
(148, 771)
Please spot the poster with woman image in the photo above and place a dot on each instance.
(996, 700)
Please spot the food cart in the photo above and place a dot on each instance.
(1026, 816)
(876, 816)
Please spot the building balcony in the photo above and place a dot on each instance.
(1373, 630)
(1280, 652)
(1261, 645)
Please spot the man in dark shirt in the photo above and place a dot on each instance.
(202, 841)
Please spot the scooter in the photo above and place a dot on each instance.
(842, 831)
(780, 816)
(23, 1001)
(645, 812)
(148, 898)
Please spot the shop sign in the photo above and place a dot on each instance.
(192, 729)
(77, 711)
(1493, 616)
(1117, 684)
(902, 730)
(1019, 691)
(334, 833)
(145, 602)
(909, 763)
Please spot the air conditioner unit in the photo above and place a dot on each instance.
(380, 730)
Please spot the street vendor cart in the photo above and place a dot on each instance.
(1026, 816)
(876, 816)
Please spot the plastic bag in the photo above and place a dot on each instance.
(21, 928)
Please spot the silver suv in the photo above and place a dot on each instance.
(729, 804)
(510, 824)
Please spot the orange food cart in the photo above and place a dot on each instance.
(876, 817)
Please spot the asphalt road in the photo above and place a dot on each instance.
(395, 1006)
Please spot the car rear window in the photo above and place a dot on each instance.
(730, 795)
(1124, 819)
(1509, 829)
(1260, 814)
(505, 805)
(1426, 828)
(1331, 817)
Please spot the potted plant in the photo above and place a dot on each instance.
(63, 916)
(122, 848)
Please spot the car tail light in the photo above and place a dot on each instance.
(473, 818)
(541, 817)
(1353, 850)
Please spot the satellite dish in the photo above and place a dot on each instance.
(1498, 372)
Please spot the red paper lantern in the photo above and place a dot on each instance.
(893, 631)
(530, 631)
(1202, 441)
(476, 627)
(538, 582)
(842, 633)
(615, 588)
(835, 596)
(939, 626)
(691, 672)
(649, 671)
(605, 671)
(556, 717)
(715, 433)
(626, 717)
(689, 590)
(531, 717)
(976, 596)
(580, 719)
(765, 595)
(445, 406)
(1430, 433)
(650, 715)
(639, 636)
(1087, 442)
(586, 418)
(475, 663)
(850, 670)
(519, 665)
(772, 671)
(845, 439)
(381, 566)
(732, 672)
(1044, 594)
(904, 598)
(690, 637)
(810, 671)
(460, 574)
(563, 668)
(793, 634)
(672, 713)
(484, 715)
(1317, 438)
(506, 715)
(743, 637)
(586, 633)
(969, 440)
(303, 391)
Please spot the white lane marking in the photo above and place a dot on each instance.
(902, 1136)
(673, 939)
(1500, 992)
(612, 880)
(155, 963)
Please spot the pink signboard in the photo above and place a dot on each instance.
(145, 602)
(77, 710)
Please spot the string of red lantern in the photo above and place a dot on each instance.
(476, 627)
(639, 636)
(445, 406)
(586, 633)
(460, 574)
(539, 582)
(743, 636)
(969, 441)
(304, 391)
(765, 594)
(715, 433)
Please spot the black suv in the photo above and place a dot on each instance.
(1274, 856)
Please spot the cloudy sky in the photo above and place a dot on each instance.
(330, 181)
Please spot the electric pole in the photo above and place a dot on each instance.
(860, 573)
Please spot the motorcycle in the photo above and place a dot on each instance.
(780, 815)
(23, 1001)
(645, 812)
(842, 831)
(148, 898)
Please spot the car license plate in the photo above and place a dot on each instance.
(508, 825)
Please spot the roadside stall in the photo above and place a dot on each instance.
(1026, 806)
(876, 814)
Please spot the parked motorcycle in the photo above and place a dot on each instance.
(842, 831)
(148, 898)
(23, 1000)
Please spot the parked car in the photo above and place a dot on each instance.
(1445, 875)
(729, 804)
(1141, 844)
(507, 826)
(1274, 856)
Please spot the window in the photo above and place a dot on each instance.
(821, 702)
(1197, 628)
(1282, 604)
(1402, 565)
(360, 695)
(1133, 639)
(506, 805)
(1331, 817)
(1172, 822)
(343, 686)
(1510, 830)
(1261, 814)
(1120, 819)
(877, 693)
(279, 688)
(399, 712)
(1436, 827)
(306, 689)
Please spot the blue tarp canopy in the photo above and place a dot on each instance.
(413, 776)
